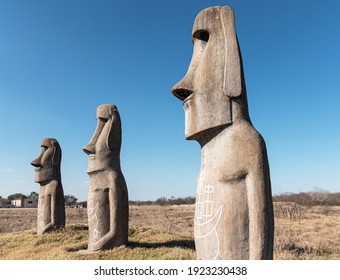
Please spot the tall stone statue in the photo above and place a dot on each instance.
(108, 209)
(51, 205)
(234, 209)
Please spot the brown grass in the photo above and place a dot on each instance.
(315, 234)
(144, 243)
(166, 232)
(19, 219)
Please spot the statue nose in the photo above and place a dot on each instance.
(36, 162)
(184, 87)
(89, 149)
(181, 93)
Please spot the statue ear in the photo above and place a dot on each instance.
(114, 137)
(56, 157)
(233, 85)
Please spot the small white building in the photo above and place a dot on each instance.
(25, 203)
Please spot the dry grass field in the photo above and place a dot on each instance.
(166, 232)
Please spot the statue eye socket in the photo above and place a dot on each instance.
(43, 149)
(202, 35)
(200, 40)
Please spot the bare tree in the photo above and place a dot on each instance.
(33, 195)
(70, 200)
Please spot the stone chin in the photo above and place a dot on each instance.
(98, 164)
(43, 175)
(93, 165)
(203, 115)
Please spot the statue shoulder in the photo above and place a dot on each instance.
(246, 135)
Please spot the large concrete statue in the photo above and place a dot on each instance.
(234, 209)
(108, 209)
(51, 205)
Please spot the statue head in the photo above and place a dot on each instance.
(48, 162)
(214, 80)
(104, 146)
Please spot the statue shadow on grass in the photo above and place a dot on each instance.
(186, 244)
(182, 243)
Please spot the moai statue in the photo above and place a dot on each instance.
(234, 209)
(107, 205)
(51, 205)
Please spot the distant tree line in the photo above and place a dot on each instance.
(21, 195)
(7, 201)
(165, 201)
(314, 198)
(70, 200)
(317, 197)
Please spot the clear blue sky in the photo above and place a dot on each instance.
(60, 59)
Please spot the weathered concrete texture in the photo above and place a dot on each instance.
(51, 205)
(234, 209)
(108, 209)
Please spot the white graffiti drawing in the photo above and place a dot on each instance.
(200, 192)
(92, 211)
(218, 246)
(207, 229)
(205, 220)
(209, 226)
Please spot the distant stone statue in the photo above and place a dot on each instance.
(51, 204)
(234, 209)
(108, 209)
